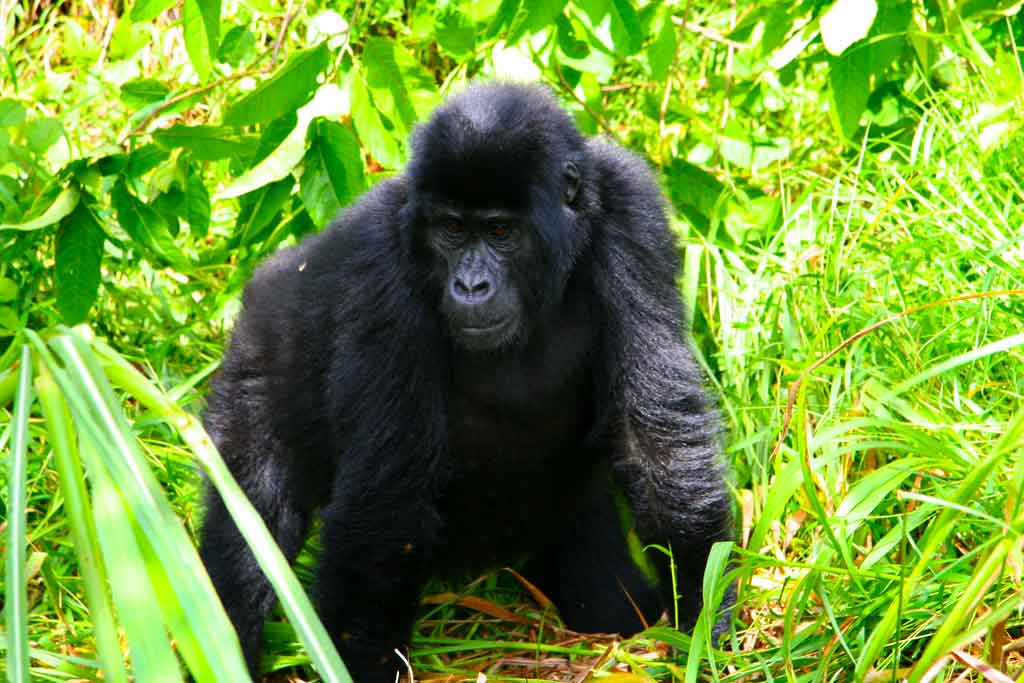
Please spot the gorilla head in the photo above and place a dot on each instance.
(496, 177)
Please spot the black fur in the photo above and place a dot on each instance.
(349, 388)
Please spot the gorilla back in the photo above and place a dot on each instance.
(456, 372)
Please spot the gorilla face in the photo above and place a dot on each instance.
(475, 253)
(494, 179)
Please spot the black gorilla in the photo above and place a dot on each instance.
(456, 371)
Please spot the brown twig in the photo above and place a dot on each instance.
(167, 104)
(597, 117)
(794, 386)
(289, 16)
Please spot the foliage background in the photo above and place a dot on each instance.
(845, 181)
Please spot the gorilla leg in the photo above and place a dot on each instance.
(243, 589)
(375, 559)
(590, 576)
(267, 471)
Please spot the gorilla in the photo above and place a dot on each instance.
(470, 367)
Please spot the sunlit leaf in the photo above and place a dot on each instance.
(79, 250)
(286, 91)
(846, 22)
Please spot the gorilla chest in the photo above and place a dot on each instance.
(513, 417)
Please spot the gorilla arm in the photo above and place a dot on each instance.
(667, 435)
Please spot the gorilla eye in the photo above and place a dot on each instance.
(500, 231)
(454, 228)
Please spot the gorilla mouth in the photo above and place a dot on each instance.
(486, 337)
(477, 331)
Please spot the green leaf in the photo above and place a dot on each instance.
(64, 204)
(42, 134)
(197, 204)
(11, 112)
(846, 22)
(342, 159)
(378, 140)
(144, 10)
(145, 225)
(259, 210)
(201, 26)
(206, 143)
(455, 34)
(334, 171)
(8, 290)
(286, 91)
(77, 271)
(694, 192)
(625, 26)
(128, 38)
(850, 85)
(402, 89)
(539, 16)
(330, 101)
(144, 159)
(238, 46)
(662, 51)
(142, 91)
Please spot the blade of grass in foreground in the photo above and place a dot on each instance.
(80, 521)
(293, 598)
(16, 594)
(197, 622)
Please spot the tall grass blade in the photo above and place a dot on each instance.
(80, 521)
(293, 598)
(16, 593)
(198, 624)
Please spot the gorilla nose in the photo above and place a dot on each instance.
(471, 290)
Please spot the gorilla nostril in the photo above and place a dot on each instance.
(473, 291)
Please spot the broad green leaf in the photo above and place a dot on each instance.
(145, 226)
(259, 210)
(197, 204)
(144, 10)
(333, 173)
(402, 89)
(539, 15)
(286, 91)
(342, 159)
(201, 27)
(694, 192)
(64, 204)
(12, 113)
(625, 27)
(846, 22)
(144, 159)
(504, 16)
(330, 102)
(8, 290)
(206, 143)
(662, 51)
(455, 34)
(41, 134)
(128, 38)
(79, 251)
(142, 91)
(238, 46)
(378, 140)
(850, 85)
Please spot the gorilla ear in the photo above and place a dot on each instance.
(572, 182)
